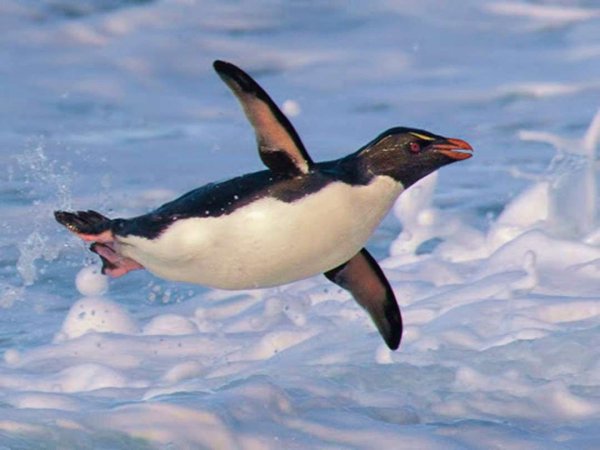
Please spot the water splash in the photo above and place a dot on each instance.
(47, 180)
(10, 294)
(571, 181)
(35, 247)
(45, 176)
(562, 202)
(419, 219)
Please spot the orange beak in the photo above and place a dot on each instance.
(456, 149)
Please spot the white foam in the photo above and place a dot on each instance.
(552, 14)
(87, 377)
(96, 314)
(169, 324)
(291, 108)
(46, 401)
(12, 356)
(183, 371)
(90, 281)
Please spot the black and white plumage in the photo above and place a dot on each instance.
(294, 220)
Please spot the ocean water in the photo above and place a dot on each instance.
(113, 106)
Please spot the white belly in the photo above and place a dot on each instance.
(268, 242)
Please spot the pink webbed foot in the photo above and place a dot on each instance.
(92, 226)
(113, 264)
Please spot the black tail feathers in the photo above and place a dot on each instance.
(85, 222)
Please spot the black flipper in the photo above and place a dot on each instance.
(280, 147)
(84, 222)
(365, 280)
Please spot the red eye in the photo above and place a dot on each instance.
(414, 147)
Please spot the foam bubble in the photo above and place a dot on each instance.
(183, 371)
(12, 357)
(170, 324)
(96, 314)
(45, 401)
(88, 377)
(291, 108)
(383, 355)
(90, 281)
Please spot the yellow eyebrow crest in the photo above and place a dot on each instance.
(422, 136)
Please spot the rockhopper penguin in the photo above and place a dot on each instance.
(294, 220)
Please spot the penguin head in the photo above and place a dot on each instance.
(409, 154)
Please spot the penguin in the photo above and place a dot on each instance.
(294, 220)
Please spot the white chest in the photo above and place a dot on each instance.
(268, 242)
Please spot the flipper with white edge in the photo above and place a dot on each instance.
(367, 283)
(279, 145)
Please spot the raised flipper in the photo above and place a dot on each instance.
(365, 280)
(280, 147)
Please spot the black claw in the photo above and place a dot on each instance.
(106, 264)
